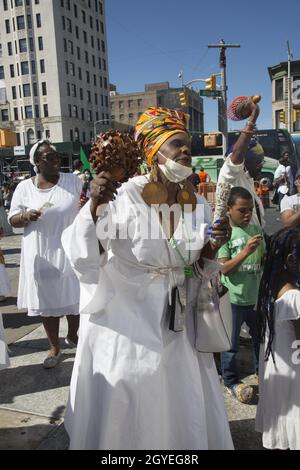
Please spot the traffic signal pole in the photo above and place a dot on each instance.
(223, 108)
(290, 56)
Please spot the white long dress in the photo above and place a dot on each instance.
(47, 283)
(278, 411)
(135, 383)
(4, 359)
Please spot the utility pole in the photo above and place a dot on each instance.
(223, 105)
(290, 56)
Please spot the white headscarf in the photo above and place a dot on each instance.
(34, 149)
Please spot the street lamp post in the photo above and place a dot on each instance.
(106, 121)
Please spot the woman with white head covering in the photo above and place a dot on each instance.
(45, 205)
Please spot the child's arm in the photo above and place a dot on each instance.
(231, 265)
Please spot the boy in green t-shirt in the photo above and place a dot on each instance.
(242, 258)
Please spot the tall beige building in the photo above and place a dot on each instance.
(280, 83)
(126, 108)
(53, 69)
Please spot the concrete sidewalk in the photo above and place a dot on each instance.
(33, 400)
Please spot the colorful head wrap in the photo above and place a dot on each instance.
(155, 126)
(254, 149)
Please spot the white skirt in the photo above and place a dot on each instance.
(4, 282)
(4, 359)
(126, 396)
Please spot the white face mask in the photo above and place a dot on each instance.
(173, 171)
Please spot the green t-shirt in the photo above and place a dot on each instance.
(243, 284)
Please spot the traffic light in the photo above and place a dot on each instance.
(211, 82)
(184, 98)
(296, 115)
(210, 140)
(282, 116)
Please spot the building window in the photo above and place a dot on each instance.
(72, 69)
(122, 117)
(9, 48)
(47, 134)
(85, 37)
(75, 11)
(79, 73)
(71, 135)
(83, 16)
(1, 72)
(12, 70)
(46, 113)
(31, 45)
(71, 48)
(30, 137)
(67, 67)
(5, 5)
(4, 115)
(42, 66)
(82, 114)
(18, 3)
(73, 87)
(69, 25)
(83, 137)
(22, 45)
(29, 22)
(75, 111)
(35, 89)
(39, 134)
(40, 42)
(68, 89)
(89, 96)
(38, 20)
(44, 88)
(279, 89)
(78, 53)
(26, 90)
(87, 76)
(86, 55)
(7, 26)
(33, 70)
(139, 102)
(20, 22)
(28, 112)
(37, 111)
(90, 116)
(16, 114)
(14, 92)
(77, 32)
(70, 110)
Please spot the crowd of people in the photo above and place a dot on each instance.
(139, 381)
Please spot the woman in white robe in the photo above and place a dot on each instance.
(136, 384)
(45, 205)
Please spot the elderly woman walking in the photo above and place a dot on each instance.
(45, 205)
(137, 383)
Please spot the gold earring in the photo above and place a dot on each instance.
(154, 192)
(186, 197)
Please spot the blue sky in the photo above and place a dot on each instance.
(152, 40)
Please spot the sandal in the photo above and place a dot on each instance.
(70, 343)
(51, 361)
(242, 392)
